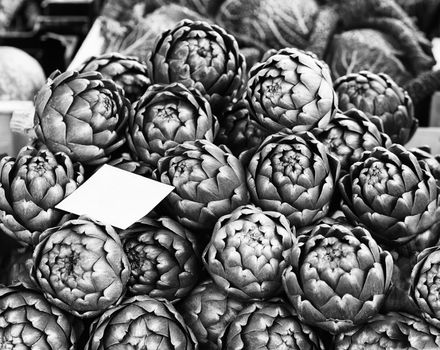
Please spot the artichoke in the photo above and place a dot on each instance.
(294, 175)
(238, 131)
(29, 321)
(425, 285)
(269, 325)
(396, 198)
(141, 322)
(81, 267)
(247, 252)
(391, 331)
(81, 114)
(291, 89)
(207, 311)
(128, 72)
(348, 135)
(382, 100)
(31, 185)
(203, 56)
(209, 182)
(338, 277)
(165, 116)
(164, 258)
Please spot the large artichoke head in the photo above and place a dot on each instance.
(164, 258)
(81, 267)
(389, 192)
(209, 182)
(31, 185)
(349, 134)
(382, 100)
(141, 322)
(203, 56)
(338, 276)
(425, 284)
(294, 175)
(269, 325)
(81, 114)
(247, 252)
(29, 321)
(168, 115)
(207, 311)
(291, 89)
(127, 71)
(395, 330)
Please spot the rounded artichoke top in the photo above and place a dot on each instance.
(81, 114)
(198, 54)
(291, 89)
(382, 100)
(31, 185)
(127, 71)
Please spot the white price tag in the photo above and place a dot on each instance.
(115, 197)
(22, 121)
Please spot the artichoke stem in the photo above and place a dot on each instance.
(423, 86)
(325, 26)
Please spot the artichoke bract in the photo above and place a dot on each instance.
(31, 185)
(425, 284)
(294, 175)
(291, 89)
(126, 162)
(127, 71)
(207, 311)
(269, 325)
(81, 114)
(209, 182)
(238, 131)
(247, 252)
(200, 55)
(382, 100)
(165, 116)
(141, 322)
(338, 277)
(29, 321)
(389, 192)
(349, 134)
(164, 258)
(81, 267)
(395, 330)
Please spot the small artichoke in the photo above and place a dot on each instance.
(394, 330)
(209, 182)
(29, 321)
(165, 116)
(203, 56)
(247, 252)
(126, 71)
(291, 89)
(164, 258)
(238, 131)
(338, 277)
(207, 311)
(141, 322)
(382, 100)
(31, 185)
(269, 325)
(294, 175)
(425, 284)
(81, 114)
(396, 198)
(81, 267)
(348, 135)
(125, 162)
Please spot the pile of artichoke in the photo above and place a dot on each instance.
(298, 219)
